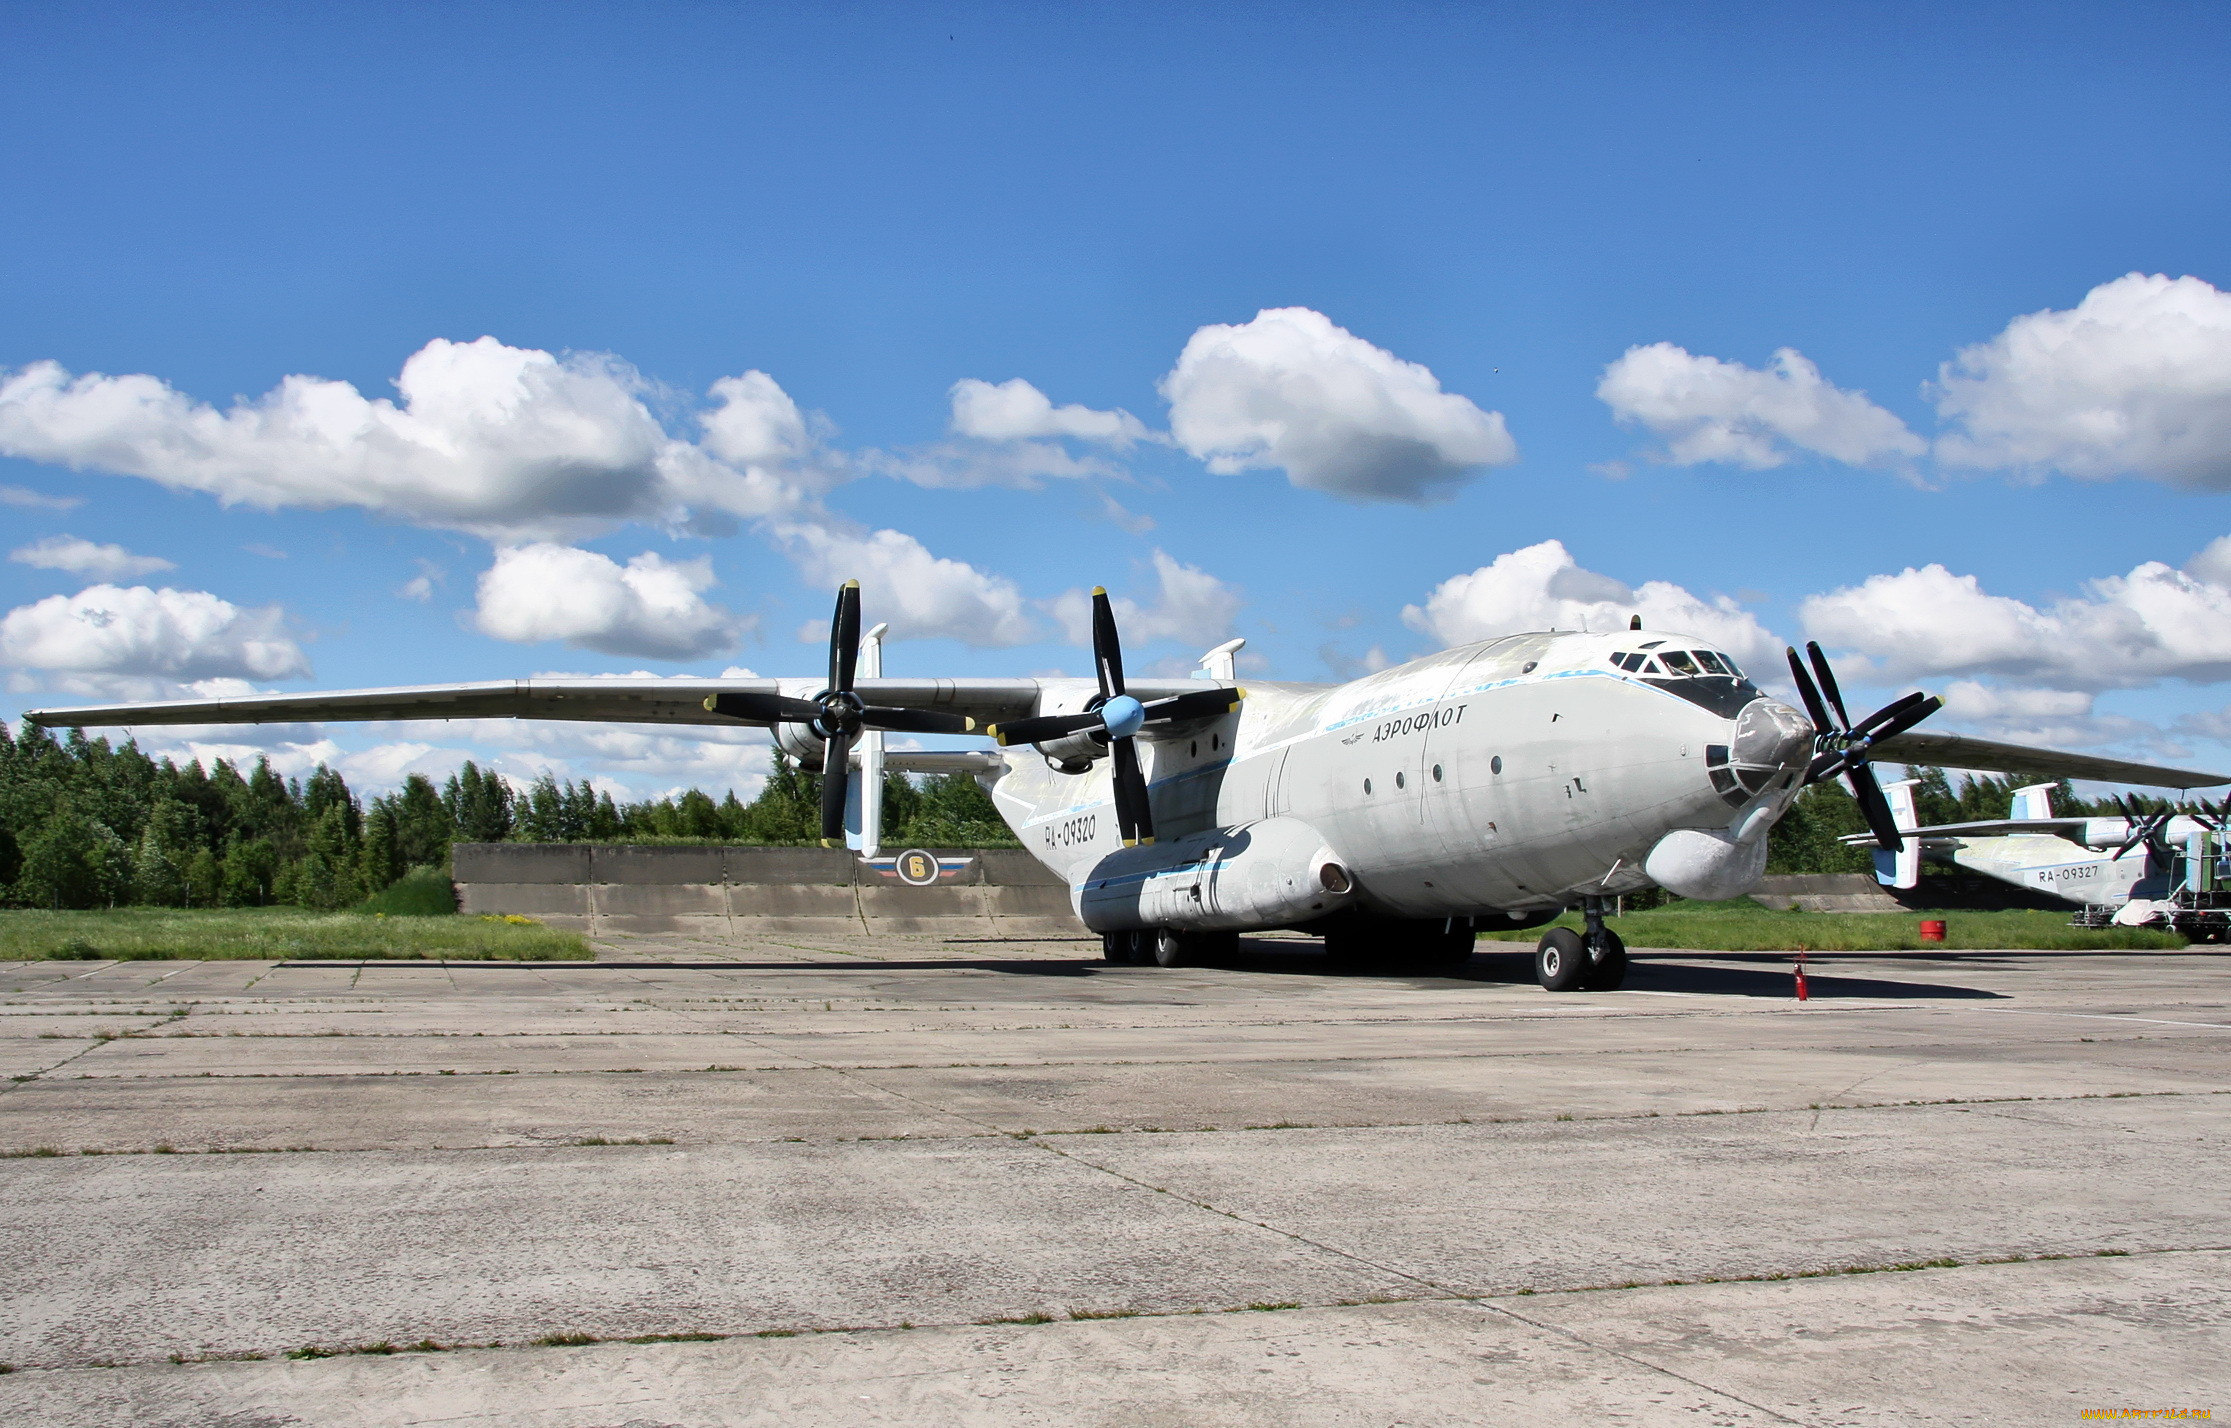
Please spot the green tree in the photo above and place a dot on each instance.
(479, 804)
(76, 862)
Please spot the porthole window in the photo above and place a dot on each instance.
(1530, 666)
(1399, 781)
(1196, 748)
(1495, 765)
(1215, 742)
(1436, 773)
(1367, 786)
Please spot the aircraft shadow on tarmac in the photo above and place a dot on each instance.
(1769, 976)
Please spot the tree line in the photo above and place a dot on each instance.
(84, 824)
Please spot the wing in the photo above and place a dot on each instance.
(1958, 751)
(1985, 828)
(601, 701)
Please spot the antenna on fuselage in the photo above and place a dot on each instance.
(1634, 622)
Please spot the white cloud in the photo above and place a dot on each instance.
(1014, 410)
(1706, 409)
(135, 642)
(1291, 390)
(921, 596)
(26, 499)
(1541, 587)
(2048, 718)
(506, 442)
(420, 587)
(1189, 604)
(2155, 623)
(82, 557)
(2134, 380)
(967, 465)
(651, 607)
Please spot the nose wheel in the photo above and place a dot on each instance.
(1593, 959)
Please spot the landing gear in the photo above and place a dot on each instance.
(1561, 961)
(1607, 951)
(1119, 947)
(1191, 949)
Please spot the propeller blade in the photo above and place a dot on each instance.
(1133, 817)
(1892, 710)
(762, 708)
(916, 721)
(1194, 704)
(1906, 717)
(1860, 778)
(1107, 650)
(1828, 684)
(1806, 692)
(844, 636)
(1044, 727)
(836, 775)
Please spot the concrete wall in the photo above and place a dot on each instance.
(725, 891)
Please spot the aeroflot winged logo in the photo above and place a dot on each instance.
(918, 868)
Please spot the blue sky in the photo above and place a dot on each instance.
(1468, 216)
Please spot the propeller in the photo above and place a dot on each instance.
(1843, 749)
(2145, 828)
(1115, 719)
(837, 714)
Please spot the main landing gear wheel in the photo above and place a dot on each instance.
(1607, 961)
(1172, 949)
(1117, 947)
(1561, 961)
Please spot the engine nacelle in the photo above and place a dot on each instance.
(1073, 753)
(802, 744)
(1275, 873)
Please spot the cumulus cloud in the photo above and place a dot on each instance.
(30, 500)
(1291, 390)
(2049, 718)
(1189, 604)
(920, 595)
(1541, 587)
(2155, 623)
(1014, 410)
(502, 441)
(1706, 409)
(82, 557)
(134, 642)
(650, 607)
(2134, 380)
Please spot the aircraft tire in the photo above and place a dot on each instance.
(1447, 953)
(1560, 961)
(1607, 963)
(1172, 948)
(1115, 947)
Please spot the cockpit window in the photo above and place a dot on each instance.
(1711, 662)
(1678, 662)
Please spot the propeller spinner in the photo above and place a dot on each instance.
(1846, 749)
(1115, 719)
(837, 714)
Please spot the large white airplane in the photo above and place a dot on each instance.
(1489, 786)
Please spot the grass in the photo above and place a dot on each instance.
(1744, 926)
(135, 934)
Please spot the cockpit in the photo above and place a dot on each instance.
(1679, 663)
(1703, 677)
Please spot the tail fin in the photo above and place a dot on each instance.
(2036, 801)
(1901, 869)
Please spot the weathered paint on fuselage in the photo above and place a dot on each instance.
(1519, 773)
(2055, 866)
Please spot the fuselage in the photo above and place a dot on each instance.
(1521, 773)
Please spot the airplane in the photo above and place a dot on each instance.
(1491, 786)
(2139, 869)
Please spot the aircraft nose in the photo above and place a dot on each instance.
(1771, 735)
